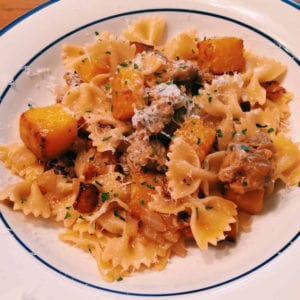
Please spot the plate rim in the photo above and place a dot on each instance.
(113, 16)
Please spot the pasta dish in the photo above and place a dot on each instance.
(150, 144)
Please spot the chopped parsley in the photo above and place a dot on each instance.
(198, 141)
(244, 131)
(96, 33)
(135, 66)
(67, 215)
(197, 212)
(209, 98)
(124, 64)
(120, 279)
(154, 149)
(205, 164)
(270, 130)
(245, 148)
(23, 199)
(104, 196)
(298, 183)
(142, 202)
(107, 52)
(98, 183)
(116, 214)
(149, 186)
(244, 183)
(219, 133)
(106, 138)
(233, 133)
(154, 179)
(107, 87)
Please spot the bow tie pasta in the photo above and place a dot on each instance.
(150, 145)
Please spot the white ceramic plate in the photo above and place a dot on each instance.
(36, 265)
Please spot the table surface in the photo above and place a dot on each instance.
(12, 9)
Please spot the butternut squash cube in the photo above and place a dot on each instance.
(251, 201)
(127, 92)
(200, 137)
(47, 131)
(142, 188)
(221, 55)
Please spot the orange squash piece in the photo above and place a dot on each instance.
(47, 131)
(200, 137)
(127, 92)
(221, 55)
(142, 188)
(251, 201)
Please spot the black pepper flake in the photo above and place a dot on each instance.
(208, 207)
(260, 125)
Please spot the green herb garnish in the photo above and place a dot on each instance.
(104, 196)
(106, 138)
(116, 214)
(219, 133)
(67, 215)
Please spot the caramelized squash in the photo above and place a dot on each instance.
(142, 188)
(47, 131)
(127, 92)
(221, 55)
(87, 199)
(200, 137)
(251, 201)
(274, 89)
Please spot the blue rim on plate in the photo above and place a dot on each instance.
(26, 15)
(292, 3)
(100, 21)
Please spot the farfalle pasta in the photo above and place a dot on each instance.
(174, 143)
